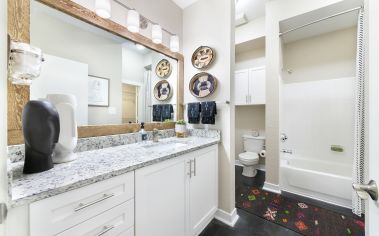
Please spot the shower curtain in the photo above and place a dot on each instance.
(359, 165)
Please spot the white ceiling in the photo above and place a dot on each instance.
(251, 8)
(184, 3)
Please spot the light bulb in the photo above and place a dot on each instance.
(156, 33)
(103, 8)
(132, 21)
(174, 43)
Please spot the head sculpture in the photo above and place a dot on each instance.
(40, 125)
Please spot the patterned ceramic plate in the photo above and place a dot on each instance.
(162, 90)
(203, 57)
(163, 69)
(202, 85)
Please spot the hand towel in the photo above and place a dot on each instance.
(208, 112)
(157, 113)
(193, 112)
(167, 110)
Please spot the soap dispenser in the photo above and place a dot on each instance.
(142, 132)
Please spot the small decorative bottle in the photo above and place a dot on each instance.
(143, 133)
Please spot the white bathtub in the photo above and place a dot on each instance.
(325, 181)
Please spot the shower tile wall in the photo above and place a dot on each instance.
(319, 114)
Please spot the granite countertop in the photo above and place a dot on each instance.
(97, 165)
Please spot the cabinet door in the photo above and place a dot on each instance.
(257, 86)
(241, 88)
(161, 191)
(203, 189)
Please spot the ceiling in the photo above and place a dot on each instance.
(251, 8)
(184, 3)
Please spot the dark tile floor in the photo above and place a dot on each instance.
(247, 225)
(251, 225)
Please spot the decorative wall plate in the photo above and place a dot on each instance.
(163, 69)
(162, 90)
(203, 57)
(202, 85)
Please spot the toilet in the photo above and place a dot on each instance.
(250, 158)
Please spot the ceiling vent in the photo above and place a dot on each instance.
(240, 19)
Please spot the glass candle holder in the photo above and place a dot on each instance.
(24, 63)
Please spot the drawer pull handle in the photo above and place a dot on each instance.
(105, 230)
(82, 206)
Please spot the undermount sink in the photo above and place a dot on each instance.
(164, 146)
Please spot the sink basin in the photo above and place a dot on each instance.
(165, 146)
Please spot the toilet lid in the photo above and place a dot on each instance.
(249, 156)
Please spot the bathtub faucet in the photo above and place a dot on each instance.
(287, 151)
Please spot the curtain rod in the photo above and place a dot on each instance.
(152, 22)
(319, 20)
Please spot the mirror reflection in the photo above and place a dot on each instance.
(113, 79)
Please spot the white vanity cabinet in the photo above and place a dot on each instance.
(177, 197)
(250, 86)
(104, 206)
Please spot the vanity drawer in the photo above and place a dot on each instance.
(117, 221)
(56, 214)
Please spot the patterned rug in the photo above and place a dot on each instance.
(301, 217)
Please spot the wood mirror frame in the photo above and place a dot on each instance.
(18, 96)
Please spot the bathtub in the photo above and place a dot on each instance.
(320, 180)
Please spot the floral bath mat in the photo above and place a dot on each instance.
(301, 217)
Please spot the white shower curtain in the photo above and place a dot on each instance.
(359, 165)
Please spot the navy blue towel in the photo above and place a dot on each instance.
(157, 113)
(167, 110)
(193, 112)
(208, 113)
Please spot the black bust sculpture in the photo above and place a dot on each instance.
(40, 124)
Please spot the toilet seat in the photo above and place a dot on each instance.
(251, 158)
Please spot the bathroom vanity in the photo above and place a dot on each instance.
(146, 188)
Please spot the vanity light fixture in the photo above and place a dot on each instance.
(103, 8)
(174, 43)
(24, 63)
(156, 34)
(133, 21)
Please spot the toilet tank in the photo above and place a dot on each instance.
(253, 144)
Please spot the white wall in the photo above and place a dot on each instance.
(211, 23)
(154, 10)
(372, 208)
(327, 56)
(252, 30)
(63, 76)
(133, 64)
(102, 54)
(250, 59)
(318, 114)
(248, 119)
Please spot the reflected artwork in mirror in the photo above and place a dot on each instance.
(111, 77)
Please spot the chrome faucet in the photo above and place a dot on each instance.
(155, 135)
(288, 151)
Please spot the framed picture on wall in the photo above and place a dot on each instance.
(98, 91)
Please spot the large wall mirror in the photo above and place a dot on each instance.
(114, 79)
(117, 77)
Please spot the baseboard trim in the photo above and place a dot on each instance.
(227, 218)
(272, 188)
